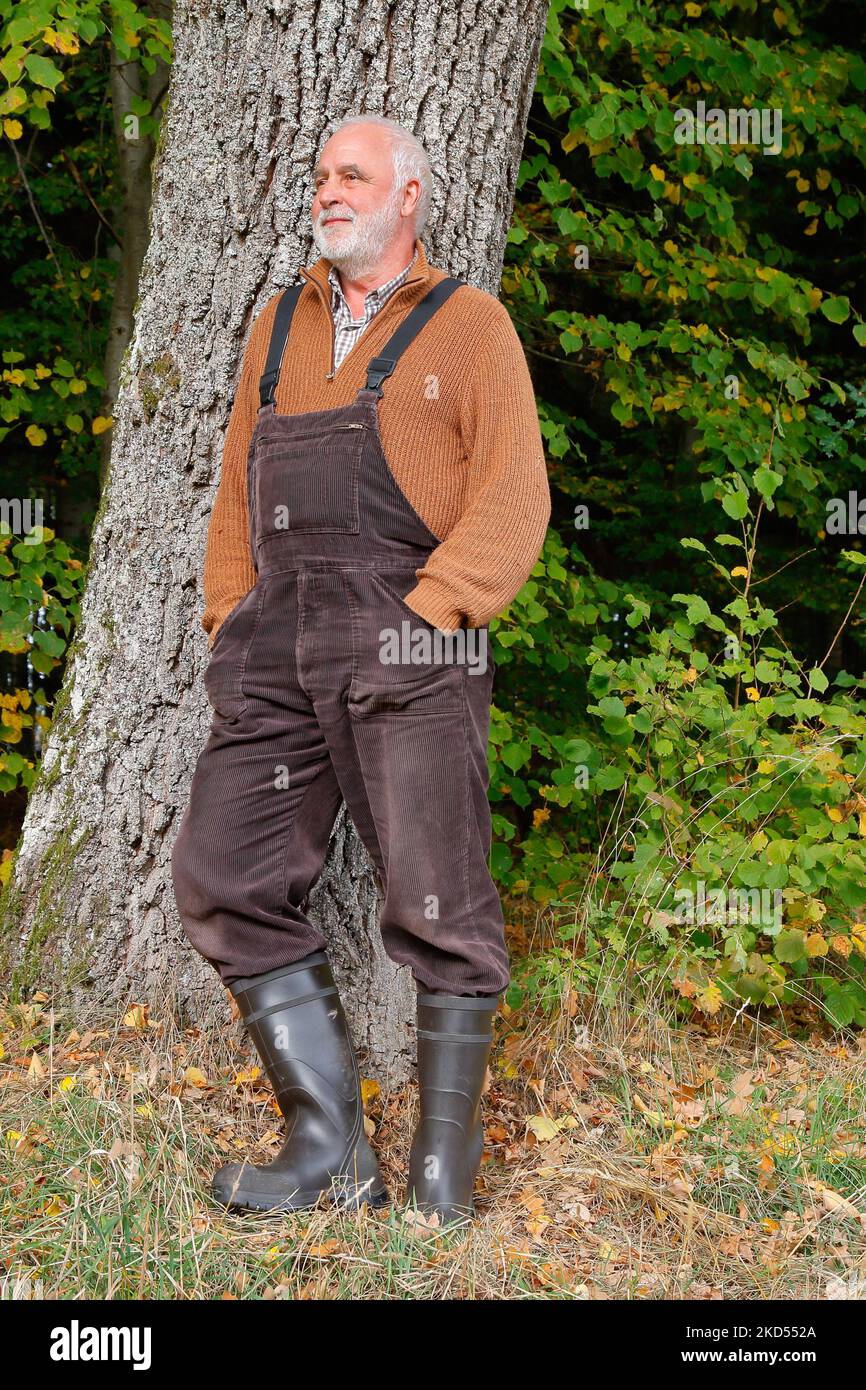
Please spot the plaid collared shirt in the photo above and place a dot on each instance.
(347, 330)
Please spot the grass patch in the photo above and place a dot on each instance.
(625, 1158)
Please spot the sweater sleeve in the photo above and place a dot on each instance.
(229, 572)
(489, 553)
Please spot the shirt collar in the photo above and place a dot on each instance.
(374, 298)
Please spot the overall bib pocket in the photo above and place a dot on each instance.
(308, 482)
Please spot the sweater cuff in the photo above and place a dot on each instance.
(434, 606)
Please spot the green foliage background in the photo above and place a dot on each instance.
(680, 699)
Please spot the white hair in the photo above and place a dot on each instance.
(408, 157)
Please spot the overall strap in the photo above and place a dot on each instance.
(276, 348)
(381, 367)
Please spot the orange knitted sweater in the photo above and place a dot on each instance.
(460, 433)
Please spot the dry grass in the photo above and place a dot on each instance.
(625, 1158)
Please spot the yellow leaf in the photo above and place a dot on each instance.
(68, 1083)
(136, 1017)
(102, 423)
(654, 1115)
(670, 247)
(802, 185)
(739, 571)
(753, 693)
(194, 1077)
(861, 821)
(709, 999)
(53, 1208)
(570, 140)
(677, 292)
(780, 19)
(539, 816)
(816, 945)
(623, 351)
(370, 1090)
(834, 814)
(812, 228)
(245, 1077)
(822, 178)
(766, 766)
(691, 675)
(35, 436)
(692, 10)
(542, 1127)
(13, 130)
(657, 173)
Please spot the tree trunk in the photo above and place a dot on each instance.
(134, 157)
(89, 909)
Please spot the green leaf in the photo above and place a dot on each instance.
(515, 755)
(42, 71)
(736, 504)
(767, 481)
(501, 859)
(836, 309)
(790, 946)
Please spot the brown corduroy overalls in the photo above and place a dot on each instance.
(326, 686)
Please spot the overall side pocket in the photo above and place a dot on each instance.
(224, 673)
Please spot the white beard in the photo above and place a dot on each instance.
(358, 250)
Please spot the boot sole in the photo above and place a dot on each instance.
(301, 1201)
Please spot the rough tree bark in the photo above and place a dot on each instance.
(89, 909)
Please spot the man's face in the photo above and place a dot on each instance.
(356, 212)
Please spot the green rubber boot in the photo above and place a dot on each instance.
(454, 1038)
(295, 1018)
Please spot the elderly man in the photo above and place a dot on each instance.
(383, 495)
